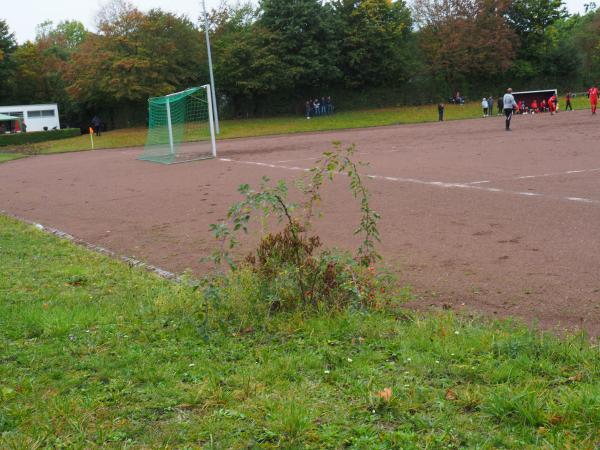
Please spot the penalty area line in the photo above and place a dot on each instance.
(544, 175)
(439, 184)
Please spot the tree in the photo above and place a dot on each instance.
(534, 22)
(249, 71)
(375, 48)
(133, 57)
(67, 35)
(465, 39)
(584, 36)
(247, 68)
(8, 46)
(304, 38)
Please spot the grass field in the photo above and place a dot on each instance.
(10, 156)
(241, 128)
(95, 353)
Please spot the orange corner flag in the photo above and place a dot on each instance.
(91, 130)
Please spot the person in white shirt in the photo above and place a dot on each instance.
(484, 105)
(509, 105)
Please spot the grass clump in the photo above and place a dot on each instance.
(4, 157)
(94, 353)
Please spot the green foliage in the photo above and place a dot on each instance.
(306, 42)
(94, 353)
(248, 69)
(541, 44)
(7, 140)
(135, 56)
(4, 157)
(585, 37)
(66, 37)
(294, 273)
(8, 45)
(270, 58)
(376, 46)
(532, 18)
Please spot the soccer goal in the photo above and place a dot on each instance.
(529, 96)
(181, 127)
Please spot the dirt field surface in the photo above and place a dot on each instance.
(473, 217)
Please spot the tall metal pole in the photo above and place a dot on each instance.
(170, 125)
(210, 68)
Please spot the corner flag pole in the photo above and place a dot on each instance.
(210, 68)
(92, 137)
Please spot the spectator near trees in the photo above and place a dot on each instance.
(97, 125)
(318, 107)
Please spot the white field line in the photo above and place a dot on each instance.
(294, 160)
(544, 175)
(310, 159)
(439, 184)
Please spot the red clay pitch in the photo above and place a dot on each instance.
(472, 216)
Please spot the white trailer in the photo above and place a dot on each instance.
(35, 117)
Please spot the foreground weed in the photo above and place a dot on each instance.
(293, 269)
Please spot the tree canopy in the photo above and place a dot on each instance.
(271, 57)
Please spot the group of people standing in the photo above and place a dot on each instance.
(541, 106)
(316, 107)
(508, 106)
(487, 104)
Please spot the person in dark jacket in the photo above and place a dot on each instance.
(441, 108)
(569, 106)
(329, 105)
(97, 125)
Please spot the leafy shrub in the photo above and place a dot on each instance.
(293, 270)
(37, 137)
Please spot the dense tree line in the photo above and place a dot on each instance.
(271, 57)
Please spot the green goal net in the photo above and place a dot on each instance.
(180, 127)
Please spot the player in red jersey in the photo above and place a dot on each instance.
(593, 94)
(552, 104)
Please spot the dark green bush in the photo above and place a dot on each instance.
(37, 137)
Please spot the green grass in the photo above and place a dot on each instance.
(95, 353)
(241, 128)
(10, 156)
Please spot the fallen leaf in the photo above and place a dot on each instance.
(555, 420)
(577, 377)
(451, 395)
(385, 395)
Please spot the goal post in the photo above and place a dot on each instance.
(181, 127)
